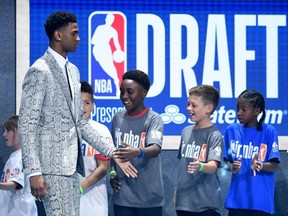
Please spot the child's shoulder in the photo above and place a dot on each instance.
(234, 126)
(268, 128)
(187, 129)
(153, 114)
(119, 114)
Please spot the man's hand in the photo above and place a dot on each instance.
(38, 187)
(128, 169)
(126, 153)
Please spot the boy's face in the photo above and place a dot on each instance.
(11, 138)
(132, 95)
(87, 104)
(197, 110)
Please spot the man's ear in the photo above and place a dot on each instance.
(57, 35)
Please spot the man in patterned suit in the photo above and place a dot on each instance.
(51, 125)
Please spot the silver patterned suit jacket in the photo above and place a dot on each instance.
(50, 129)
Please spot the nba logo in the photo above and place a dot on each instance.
(203, 152)
(263, 152)
(107, 53)
(142, 140)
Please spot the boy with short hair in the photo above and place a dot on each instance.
(200, 154)
(138, 130)
(93, 188)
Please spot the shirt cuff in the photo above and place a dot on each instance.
(34, 174)
(110, 152)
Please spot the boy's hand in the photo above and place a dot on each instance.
(126, 153)
(193, 166)
(114, 182)
(128, 169)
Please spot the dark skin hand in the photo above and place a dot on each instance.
(257, 166)
(114, 182)
(235, 166)
(128, 152)
(128, 169)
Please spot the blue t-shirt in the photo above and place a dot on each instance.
(247, 191)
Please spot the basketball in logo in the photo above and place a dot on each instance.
(118, 56)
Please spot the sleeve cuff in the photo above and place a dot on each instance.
(34, 174)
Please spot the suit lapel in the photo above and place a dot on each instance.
(76, 88)
(59, 77)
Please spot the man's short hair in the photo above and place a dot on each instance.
(58, 20)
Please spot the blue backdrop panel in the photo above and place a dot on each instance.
(232, 45)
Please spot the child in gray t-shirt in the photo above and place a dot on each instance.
(137, 132)
(200, 154)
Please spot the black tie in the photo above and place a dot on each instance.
(68, 80)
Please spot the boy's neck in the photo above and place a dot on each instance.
(203, 124)
(16, 147)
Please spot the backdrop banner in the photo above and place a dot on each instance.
(232, 45)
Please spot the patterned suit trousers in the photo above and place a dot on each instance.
(63, 197)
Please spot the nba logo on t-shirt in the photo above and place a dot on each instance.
(107, 53)
(262, 152)
(203, 152)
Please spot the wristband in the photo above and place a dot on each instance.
(81, 190)
(201, 167)
(142, 153)
(112, 172)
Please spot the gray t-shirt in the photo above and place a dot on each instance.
(199, 191)
(146, 190)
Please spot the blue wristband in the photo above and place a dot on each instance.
(142, 153)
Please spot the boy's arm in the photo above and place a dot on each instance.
(97, 174)
(269, 166)
(210, 167)
(128, 152)
(10, 186)
(197, 166)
